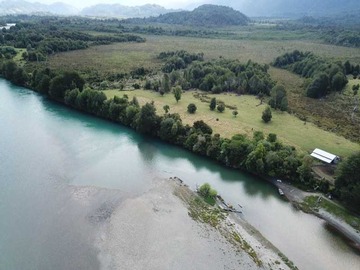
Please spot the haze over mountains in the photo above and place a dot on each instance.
(293, 8)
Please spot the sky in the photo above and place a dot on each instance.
(164, 3)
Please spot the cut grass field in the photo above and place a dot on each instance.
(290, 129)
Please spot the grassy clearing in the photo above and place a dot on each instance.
(333, 113)
(311, 203)
(18, 57)
(289, 128)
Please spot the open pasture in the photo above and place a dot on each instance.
(289, 128)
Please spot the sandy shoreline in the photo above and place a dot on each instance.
(154, 231)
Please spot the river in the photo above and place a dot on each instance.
(45, 148)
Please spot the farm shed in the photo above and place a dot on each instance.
(325, 156)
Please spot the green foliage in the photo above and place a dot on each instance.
(278, 98)
(63, 82)
(165, 84)
(212, 104)
(44, 36)
(177, 93)
(7, 52)
(191, 108)
(202, 127)
(266, 115)
(147, 121)
(223, 75)
(348, 181)
(221, 107)
(205, 15)
(206, 191)
(178, 60)
(305, 170)
(271, 137)
(326, 76)
(166, 108)
(235, 113)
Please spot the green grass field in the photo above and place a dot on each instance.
(289, 128)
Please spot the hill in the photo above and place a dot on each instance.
(291, 8)
(24, 7)
(121, 11)
(205, 15)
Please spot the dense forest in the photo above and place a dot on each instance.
(42, 36)
(325, 76)
(205, 15)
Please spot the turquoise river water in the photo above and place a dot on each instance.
(45, 148)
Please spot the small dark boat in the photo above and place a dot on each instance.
(281, 192)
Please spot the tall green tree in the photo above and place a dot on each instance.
(278, 98)
(267, 115)
(348, 181)
(66, 81)
(147, 120)
(165, 84)
(213, 104)
(177, 93)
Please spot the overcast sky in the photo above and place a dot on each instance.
(164, 3)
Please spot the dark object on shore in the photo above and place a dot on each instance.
(281, 192)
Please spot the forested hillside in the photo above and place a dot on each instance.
(205, 15)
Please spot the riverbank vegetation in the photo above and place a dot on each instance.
(314, 203)
(81, 75)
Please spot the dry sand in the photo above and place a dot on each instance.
(154, 231)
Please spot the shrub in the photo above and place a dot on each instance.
(206, 191)
(266, 115)
(191, 108)
(221, 107)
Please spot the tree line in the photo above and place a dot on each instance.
(218, 76)
(325, 76)
(42, 36)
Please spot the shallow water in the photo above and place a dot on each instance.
(45, 148)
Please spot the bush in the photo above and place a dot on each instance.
(191, 108)
(221, 107)
(266, 115)
(206, 191)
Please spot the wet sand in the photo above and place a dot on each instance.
(155, 231)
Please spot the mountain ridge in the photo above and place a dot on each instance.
(204, 15)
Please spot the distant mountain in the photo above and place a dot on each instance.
(24, 7)
(121, 11)
(205, 15)
(291, 7)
